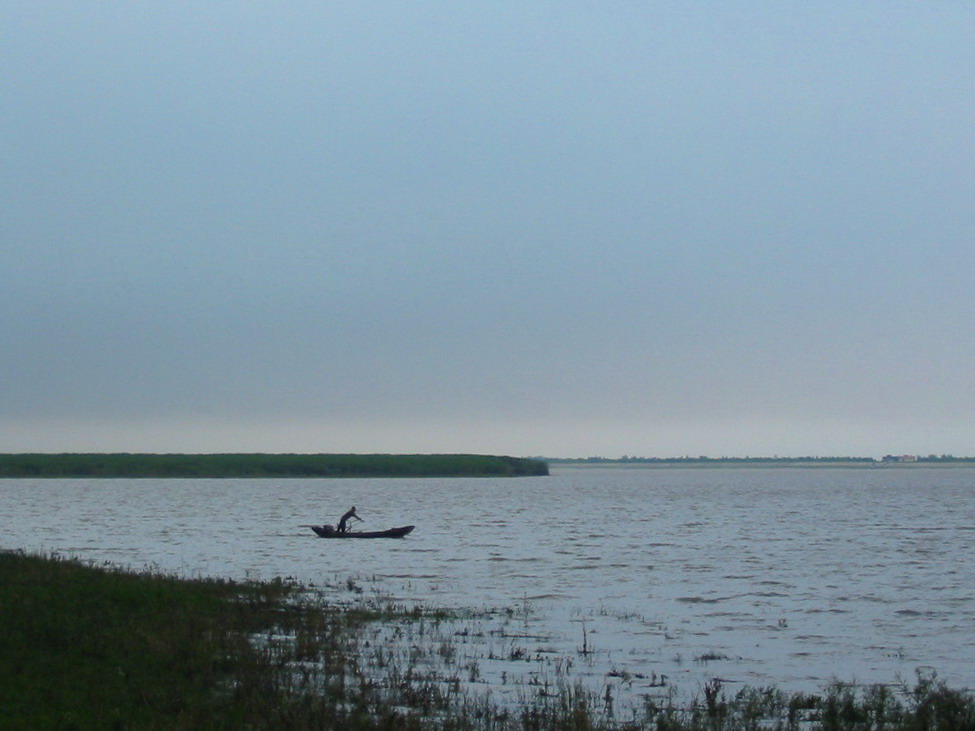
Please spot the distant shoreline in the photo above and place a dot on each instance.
(256, 465)
(759, 464)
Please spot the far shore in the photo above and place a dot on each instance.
(757, 464)
(257, 465)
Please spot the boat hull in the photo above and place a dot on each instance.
(327, 531)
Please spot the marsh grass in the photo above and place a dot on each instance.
(93, 647)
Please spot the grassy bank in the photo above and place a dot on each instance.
(267, 465)
(96, 647)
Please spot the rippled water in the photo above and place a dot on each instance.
(785, 576)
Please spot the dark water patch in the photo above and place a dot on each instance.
(510, 559)
(934, 528)
(729, 615)
(699, 568)
(926, 613)
(704, 600)
(827, 610)
(874, 599)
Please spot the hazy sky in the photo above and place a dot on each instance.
(532, 228)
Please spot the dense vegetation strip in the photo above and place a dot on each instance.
(267, 465)
(98, 647)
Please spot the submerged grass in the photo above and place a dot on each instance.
(92, 647)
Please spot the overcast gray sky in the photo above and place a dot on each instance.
(532, 228)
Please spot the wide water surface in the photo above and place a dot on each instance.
(792, 577)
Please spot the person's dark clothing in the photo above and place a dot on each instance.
(345, 519)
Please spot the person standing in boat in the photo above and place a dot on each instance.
(343, 528)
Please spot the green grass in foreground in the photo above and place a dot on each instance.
(84, 647)
(267, 465)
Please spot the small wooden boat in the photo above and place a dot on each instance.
(327, 531)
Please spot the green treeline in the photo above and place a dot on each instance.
(267, 465)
